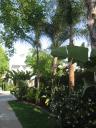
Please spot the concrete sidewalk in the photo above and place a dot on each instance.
(8, 118)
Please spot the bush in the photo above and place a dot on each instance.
(20, 90)
(71, 110)
(32, 95)
(8, 87)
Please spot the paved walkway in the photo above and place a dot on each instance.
(8, 118)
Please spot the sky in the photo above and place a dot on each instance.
(22, 50)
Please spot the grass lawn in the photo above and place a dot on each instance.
(31, 116)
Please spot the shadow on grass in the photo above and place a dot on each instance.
(31, 116)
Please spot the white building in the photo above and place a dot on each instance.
(20, 68)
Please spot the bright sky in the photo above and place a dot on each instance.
(22, 49)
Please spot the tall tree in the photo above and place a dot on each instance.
(72, 16)
(67, 15)
(91, 16)
(56, 30)
(22, 20)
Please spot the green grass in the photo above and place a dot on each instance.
(31, 116)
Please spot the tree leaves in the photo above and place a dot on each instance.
(3, 61)
(19, 18)
(44, 64)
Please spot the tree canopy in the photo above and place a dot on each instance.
(4, 64)
(26, 20)
(20, 19)
(44, 64)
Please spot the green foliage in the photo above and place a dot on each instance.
(66, 13)
(18, 75)
(20, 19)
(57, 30)
(32, 95)
(44, 59)
(4, 65)
(71, 109)
(72, 10)
(8, 87)
(72, 14)
(20, 90)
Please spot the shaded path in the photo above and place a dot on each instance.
(8, 118)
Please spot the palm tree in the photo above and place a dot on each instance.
(67, 15)
(37, 44)
(91, 16)
(56, 30)
(72, 14)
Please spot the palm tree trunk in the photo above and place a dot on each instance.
(71, 35)
(38, 81)
(91, 16)
(71, 65)
(95, 77)
(71, 76)
(55, 62)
